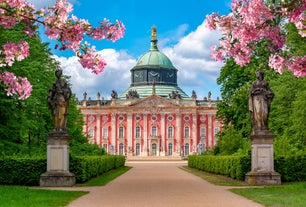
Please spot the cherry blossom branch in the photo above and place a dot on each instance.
(68, 31)
(252, 21)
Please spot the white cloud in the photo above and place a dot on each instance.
(116, 74)
(190, 55)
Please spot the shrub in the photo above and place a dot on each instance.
(86, 167)
(27, 171)
(22, 171)
(292, 168)
(233, 166)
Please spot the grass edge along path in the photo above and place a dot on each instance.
(105, 178)
(214, 178)
(20, 196)
(285, 195)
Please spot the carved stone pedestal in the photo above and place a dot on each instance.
(57, 174)
(262, 172)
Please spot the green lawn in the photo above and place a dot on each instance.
(285, 195)
(20, 196)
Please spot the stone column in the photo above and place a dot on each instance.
(163, 135)
(194, 133)
(129, 129)
(145, 135)
(113, 130)
(210, 131)
(98, 130)
(57, 174)
(178, 136)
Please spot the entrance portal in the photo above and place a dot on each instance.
(154, 149)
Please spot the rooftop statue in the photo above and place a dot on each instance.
(58, 102)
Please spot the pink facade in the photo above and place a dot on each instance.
(152, 126)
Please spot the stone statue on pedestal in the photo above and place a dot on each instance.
(260, 98)
(262, 162)
(58, 102)
(58, 174)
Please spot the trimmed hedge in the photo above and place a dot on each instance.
(232, 166)
(86, 167)
(27, 171)
(291, 168)
(22, 171)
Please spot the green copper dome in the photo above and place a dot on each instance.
(154, 58)
(153, 68)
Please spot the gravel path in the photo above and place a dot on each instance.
(159, 184)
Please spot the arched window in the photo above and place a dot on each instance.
(121, 149)
(186, 132)
(137, 132)
(170, 132)
(121, 130)
(154, 131)
(137, 149)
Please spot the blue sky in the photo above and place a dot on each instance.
(181, 36)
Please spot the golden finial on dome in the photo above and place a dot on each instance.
(153, 32)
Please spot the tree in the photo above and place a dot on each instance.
(58, 25)
(252, 22)
(25, 124)
(287, 110)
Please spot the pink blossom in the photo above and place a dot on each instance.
(108, 30)
(16, 85)
(13, 51)
(277, 62)
(210, 21)
(91, 60)
(298, 66)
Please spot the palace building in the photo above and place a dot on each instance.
(153, 116)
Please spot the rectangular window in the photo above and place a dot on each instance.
(137, 133)
(216, 130)
(170, 132)
(202, 132)
(105, 133)
(154, 131)
(186, 132)
(120, 132)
